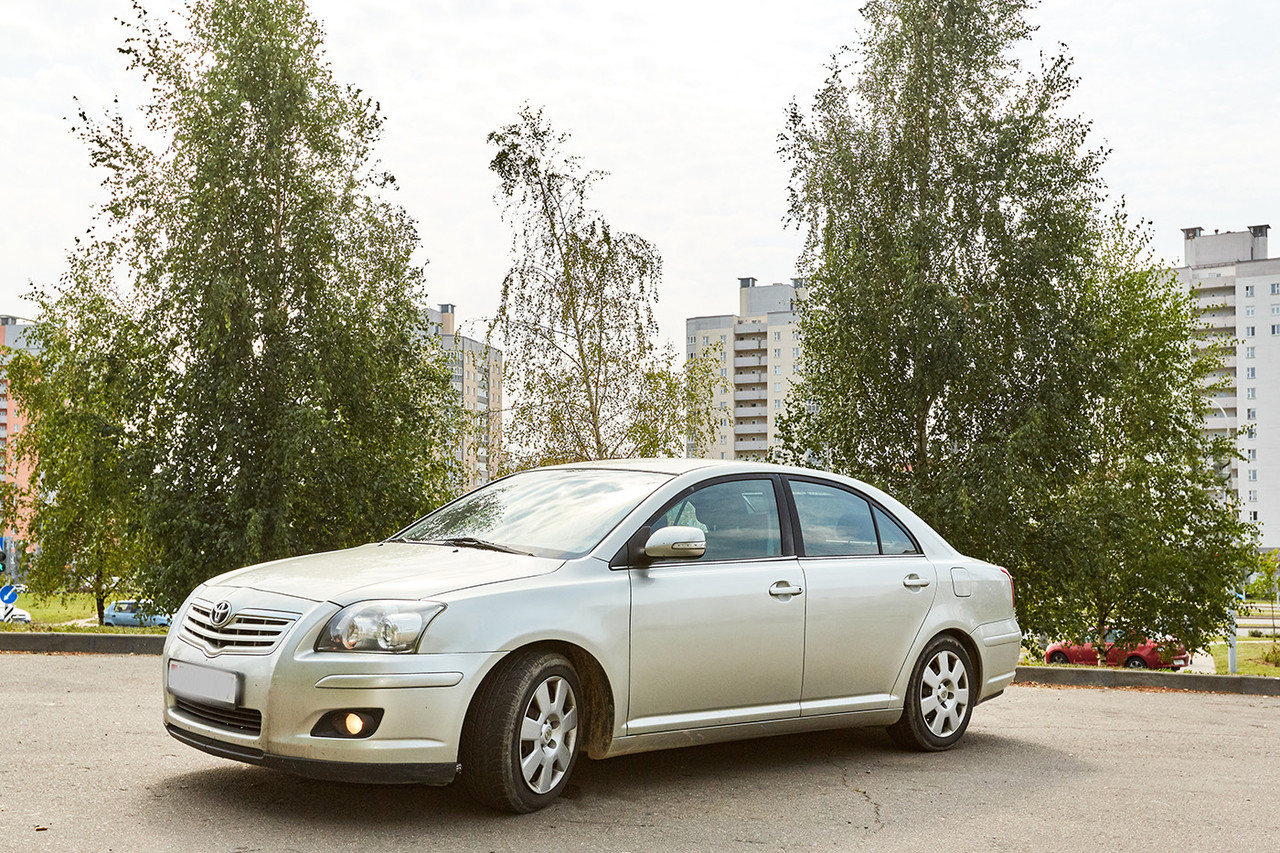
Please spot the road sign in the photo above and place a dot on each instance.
(8, 595)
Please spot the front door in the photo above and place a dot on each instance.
(718, 639)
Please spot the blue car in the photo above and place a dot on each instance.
(133, 614)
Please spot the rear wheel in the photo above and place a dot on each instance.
(1135, 662)
(939, 698)
(1059, 657)
(520, 743)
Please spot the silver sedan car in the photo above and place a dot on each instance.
(601, 608)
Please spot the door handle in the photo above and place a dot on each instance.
(914, 581)
(783, 589)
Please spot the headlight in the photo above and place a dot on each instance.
(378, 626)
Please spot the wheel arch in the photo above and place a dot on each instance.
(597, 700)
(975, 657)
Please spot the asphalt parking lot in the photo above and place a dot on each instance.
(88, 767)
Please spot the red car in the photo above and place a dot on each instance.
(1148, 655)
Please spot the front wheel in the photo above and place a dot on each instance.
(1135, 662)
(939, 699)
(520, 743)
(1059, 657)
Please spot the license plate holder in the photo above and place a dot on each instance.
(204, 684)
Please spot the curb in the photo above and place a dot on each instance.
(103, 644)
(1076, 676)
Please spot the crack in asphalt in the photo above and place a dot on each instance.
(844, 780)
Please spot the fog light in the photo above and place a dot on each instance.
(348, 723)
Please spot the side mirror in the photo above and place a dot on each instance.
(676, 541)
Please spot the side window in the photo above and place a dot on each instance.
(740, 518)
(893, 539)
(833, 522)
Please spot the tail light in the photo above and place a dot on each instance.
(1013, 594)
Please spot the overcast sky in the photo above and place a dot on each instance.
(681, 102)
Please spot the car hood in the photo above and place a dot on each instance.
(386, 570)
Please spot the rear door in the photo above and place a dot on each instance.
(869, 591)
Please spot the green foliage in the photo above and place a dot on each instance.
(294, 400)
(79, 385)
(576, 319)
(982, 343)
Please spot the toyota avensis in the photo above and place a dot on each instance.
(605, 608)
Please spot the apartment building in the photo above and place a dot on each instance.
(758, 349)
(1238, 288)
(477, 377)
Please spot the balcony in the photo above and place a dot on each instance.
(756, 411)
(751, 429)
(750, 344)
(750, 444)
(754, 377)
(751, 394)
(750, 361)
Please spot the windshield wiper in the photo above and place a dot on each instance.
(473, 542)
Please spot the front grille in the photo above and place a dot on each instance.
(250, 631)
(240, 720)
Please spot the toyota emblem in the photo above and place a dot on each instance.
(221, 614)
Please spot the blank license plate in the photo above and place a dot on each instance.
(215, 686)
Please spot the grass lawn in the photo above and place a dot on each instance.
(76, 606)
(1248, 658)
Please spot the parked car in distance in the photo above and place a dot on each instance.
(1147, 655)
(136, 614)
(19, 615)
(603, 608)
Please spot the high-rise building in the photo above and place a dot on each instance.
(1238, 287)
(758, 349)
(477, 377)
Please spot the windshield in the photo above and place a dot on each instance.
(561, 513)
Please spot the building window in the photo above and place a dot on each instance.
(1250, 352)
(777, 370)
(795, 352)
(1275, 289)
(1251, 373)
(724, 371)
(777, 353)
(1275, 309)
(777, 386)
(693, 339)
(1248, 290)
(706, 340)
(1253, 495)
(1251, 414)
(1275, 329)
(1253, 474)
(1251, 393)
(1253, 515)
(777, 404)
(795, 336)
(1251, 431)
(1249, 331)
(777, 336)
(1252, 455)
(1248, 311)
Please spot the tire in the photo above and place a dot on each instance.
(520, 742)
(939, 699)
(1059, 657)
(1135, 662)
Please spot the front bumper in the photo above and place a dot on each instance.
(284, 693)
